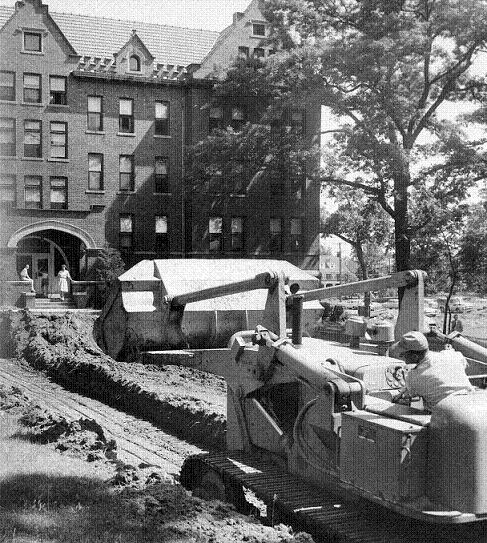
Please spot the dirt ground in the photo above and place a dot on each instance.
(60, 482)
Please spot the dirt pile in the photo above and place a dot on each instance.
(187, 402)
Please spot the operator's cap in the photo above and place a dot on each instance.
(411, 341)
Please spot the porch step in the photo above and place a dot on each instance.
(54, 303)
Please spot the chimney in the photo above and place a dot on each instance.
(237, 16)
(19, 5)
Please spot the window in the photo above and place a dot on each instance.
(275, 241)
(243, 52)
(239, 176)
(258, 29)
(126, 231)
(32, 88)
(33, 41)
(95, 114)
(238, 118)
(215, 184)
(127, 172)
(161, 127)
(126, 116)
(32, 139)
(161, 235)
(259, 52)
(237, 240)
(215, 233)
(296, 237)
(297, 121)
(7, 137)
(7, 189)
(57, 94)
(161, 175)
(95, 171)
(33, 191)
(134, 63)
(59, 193)
(59, 140)
(7, 85)
(216, 118)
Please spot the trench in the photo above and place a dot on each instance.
(75, 362)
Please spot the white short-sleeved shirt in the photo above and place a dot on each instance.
(437, 376)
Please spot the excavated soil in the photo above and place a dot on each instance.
(183, 401)
(160, 509)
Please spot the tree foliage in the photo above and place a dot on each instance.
(385, 68)
(107, 267)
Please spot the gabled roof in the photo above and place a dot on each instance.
(137, 42)
(102, 37)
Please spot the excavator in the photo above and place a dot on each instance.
(313, 435)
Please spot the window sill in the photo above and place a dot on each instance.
(238, 195)
(33, 104)
(162, 193)
(8, 157)
(13, 102)
(126, 134)
(33, 159)
(162, 136)
(125, 192)
(92, 191)
(58, 159)
(96, 132)
(63, 106)
(38, 53)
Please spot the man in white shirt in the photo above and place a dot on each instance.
(435, 375)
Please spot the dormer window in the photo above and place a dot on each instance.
(134, 63)
(258, 29)
(33, 42)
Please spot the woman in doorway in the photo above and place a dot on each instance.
(63, 278)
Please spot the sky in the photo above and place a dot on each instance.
(206, 14)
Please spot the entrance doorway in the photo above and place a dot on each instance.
(43, 280)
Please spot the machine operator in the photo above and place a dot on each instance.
(435, 375)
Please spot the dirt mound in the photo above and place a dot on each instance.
(187, 402)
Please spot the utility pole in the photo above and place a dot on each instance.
(339, 262)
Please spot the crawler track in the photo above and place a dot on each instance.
(326, 515)
(137, 440)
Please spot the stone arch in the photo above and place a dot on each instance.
(51, 225)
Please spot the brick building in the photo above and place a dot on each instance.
(95, 115)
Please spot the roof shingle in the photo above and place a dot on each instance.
(102, 37)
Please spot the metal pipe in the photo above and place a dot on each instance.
(261, 280)
(396, 280)
(297, 320)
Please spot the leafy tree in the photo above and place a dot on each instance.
(107, 267)
(473, 252)
(362, 224)
(385, 68)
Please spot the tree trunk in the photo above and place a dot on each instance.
(402, 241)
(364, 274)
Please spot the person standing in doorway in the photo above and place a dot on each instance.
(63, 278)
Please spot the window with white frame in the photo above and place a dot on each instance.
(126, 116)
(7, 189)
(95, 113)
(161, 245)
(33, 41)
(32, 138)
(59, 193)
(275, 238)
(33, 191)
(126, 231)
(215, 234)
(296, 235)
(161, 175)
(59, 140)
(7, 85)
(258, 29)
(161, 127)
(57, 90)
(95, 171)
(32, 88)
(237, 232)
(127, 172)
(7, 137)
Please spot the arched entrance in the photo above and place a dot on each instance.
(45, 247)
